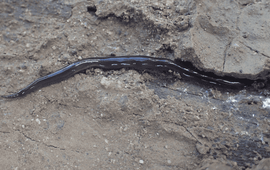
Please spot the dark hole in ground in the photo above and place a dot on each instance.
(91, 9)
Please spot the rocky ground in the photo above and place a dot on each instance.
(124, 119)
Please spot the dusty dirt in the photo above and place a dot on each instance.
(123, 119)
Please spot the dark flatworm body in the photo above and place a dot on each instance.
(111, 63)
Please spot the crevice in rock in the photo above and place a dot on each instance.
(265, 55)
(192, 134)
(28, 137)
(52, 146)
(33, 140)
(225, 54)
(254, 50)
(245, 3)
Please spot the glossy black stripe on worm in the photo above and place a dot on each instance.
(134, 62)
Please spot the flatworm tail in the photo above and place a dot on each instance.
(111, 63)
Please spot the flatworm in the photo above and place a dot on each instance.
(118, 62)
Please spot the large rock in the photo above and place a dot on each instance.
(232, 37)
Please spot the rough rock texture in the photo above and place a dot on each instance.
(123, 119)
(233, 37)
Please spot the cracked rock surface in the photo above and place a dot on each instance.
(232, 38)
(122, 119)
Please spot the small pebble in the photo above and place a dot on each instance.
(38, 121)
